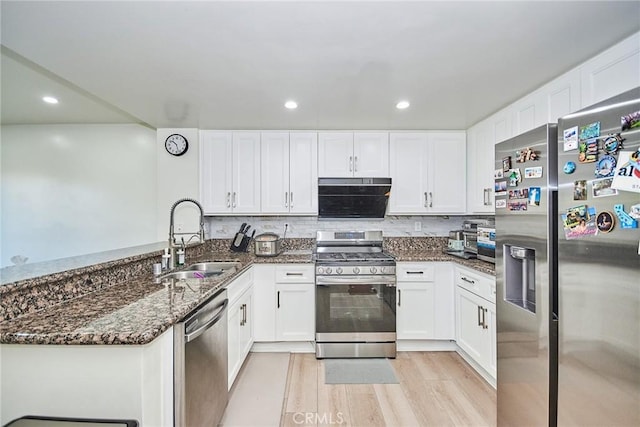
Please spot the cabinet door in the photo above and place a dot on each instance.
(245, 340)
(295, 312)
(303, 173)
(371, 154)
(490, 320)
(216, 156)
(264, 304)
(335, 154)
(415, 313)
(408, 167)
(447, 179)
(471, 336)
(614, 71)
(274, 154)
(245, 197)
(444, 301)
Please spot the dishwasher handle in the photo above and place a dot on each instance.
(195, 334)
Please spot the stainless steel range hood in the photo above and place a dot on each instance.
(353, 198)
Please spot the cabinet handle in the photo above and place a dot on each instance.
(415, 272)
(484, 319)
(484, 196)
(489, 190)
(468, 280)
(286, 199)
(233, 203)
(278, 299)
(244, 314)
(350, 163)
(479, 315)
(399, 297)
(294, 274)
(430, 199)
(355, 164)
(291, 199)
(242, 318)
(425, 199)
(228, 200)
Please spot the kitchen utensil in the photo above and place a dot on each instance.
(240, 242)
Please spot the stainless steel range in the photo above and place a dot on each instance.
(355, 295)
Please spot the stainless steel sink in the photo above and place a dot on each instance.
(213, 267)
(179, 275)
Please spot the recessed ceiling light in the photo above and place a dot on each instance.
(291, 105)
(49, 99)
(402, 105)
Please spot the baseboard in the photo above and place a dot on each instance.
(475, 365)
(426, 345)
(284, 347)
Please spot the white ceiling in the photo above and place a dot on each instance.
(232, 65)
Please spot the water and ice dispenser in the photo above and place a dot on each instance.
(520, 276)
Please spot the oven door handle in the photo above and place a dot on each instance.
(359, 280)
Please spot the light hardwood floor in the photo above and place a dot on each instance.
(435, 389)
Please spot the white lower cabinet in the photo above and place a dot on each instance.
(239, 323)
(284, 308)
(476, 318)
(425, 301)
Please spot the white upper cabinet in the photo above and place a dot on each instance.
(289, 173)
(428, 172)
(371, 154)
(614, 71)
(349, 154)
(230, 172)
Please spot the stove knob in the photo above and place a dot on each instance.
(373, 270)
(328, 270)
(320, 270)
(339, 270)
(382, 270)
(356, 270)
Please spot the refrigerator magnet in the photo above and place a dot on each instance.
(517, 205)
(588, 150)
(515, 177)
(533, 172)
(569, 168)
(501, 203)
(592, 130)
(506, 164)
(612, 143)
(526, 155)
(627, 174)
(602, 187)
(570, 138)
(626, 221)
(630, 121)
(605, 221)
(605, 166)
(498, 174)
(580, 190)
(534, 196)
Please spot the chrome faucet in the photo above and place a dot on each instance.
(173, 245)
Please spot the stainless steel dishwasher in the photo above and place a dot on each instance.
(200, 364)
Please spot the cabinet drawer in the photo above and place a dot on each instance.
(414, 272)
(295, 273)
(479, 284)
(239, 285)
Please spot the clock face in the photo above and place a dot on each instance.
(176, 144)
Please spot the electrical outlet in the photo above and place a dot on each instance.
(417, 226)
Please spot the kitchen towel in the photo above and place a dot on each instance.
(359, 371)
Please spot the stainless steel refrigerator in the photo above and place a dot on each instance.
(568, 270)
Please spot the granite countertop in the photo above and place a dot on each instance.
(138, 311)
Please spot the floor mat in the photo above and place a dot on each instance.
(359, 371)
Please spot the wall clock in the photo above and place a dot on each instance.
(176, 144)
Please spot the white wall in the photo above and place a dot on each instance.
(178, 178)
(75, 189)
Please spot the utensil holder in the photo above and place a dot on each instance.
(240, 243)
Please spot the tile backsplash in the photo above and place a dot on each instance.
(306, 226)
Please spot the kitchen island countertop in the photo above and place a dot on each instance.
(137, 311)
